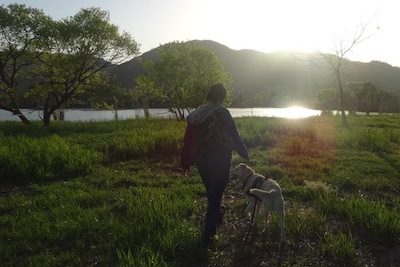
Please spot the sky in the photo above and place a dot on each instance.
(262, 25)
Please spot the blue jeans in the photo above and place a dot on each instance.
(214, 170)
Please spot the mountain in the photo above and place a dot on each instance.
(279, 77)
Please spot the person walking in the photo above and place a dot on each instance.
(210, 137)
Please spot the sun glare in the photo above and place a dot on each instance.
(297, 112)
(293, 112)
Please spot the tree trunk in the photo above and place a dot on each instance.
(61, 113)
(115, 108)
(23, 118)
(181, 114)
(145, 105)
(342, 109)
(14, 108)
(46, 117)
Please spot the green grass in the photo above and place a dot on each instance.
(27, 159)
(341, 247)
(90, 219)
(110, 194)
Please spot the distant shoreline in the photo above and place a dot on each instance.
(86, 114)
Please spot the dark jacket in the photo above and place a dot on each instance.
(194, 145)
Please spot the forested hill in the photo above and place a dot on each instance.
(281, 75)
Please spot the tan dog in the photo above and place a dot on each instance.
(261, 190)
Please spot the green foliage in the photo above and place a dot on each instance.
(21, 36)
(24, 159)
(328, 99)
(181, 76)
(362, 96)
(69, 55)
(107, 97)
(79, 48)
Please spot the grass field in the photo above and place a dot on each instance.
(111, 194)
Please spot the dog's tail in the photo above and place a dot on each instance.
(263, 194)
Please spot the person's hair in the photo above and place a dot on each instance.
(217, 93)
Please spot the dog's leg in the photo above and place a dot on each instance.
(267, 209)
(257, 212)
(280, 210)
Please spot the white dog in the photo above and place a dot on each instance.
(261, 190)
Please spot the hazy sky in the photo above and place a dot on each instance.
(263, 25)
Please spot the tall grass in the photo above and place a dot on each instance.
(304, 224)
(133, 139)
(143, 142)
(374, 220)
(371, 218)
(341, 247)
(26, 159)
(81, 223)
(374, 140)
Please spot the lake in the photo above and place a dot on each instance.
(105, 115)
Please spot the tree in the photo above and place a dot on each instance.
(365, 95)
(21, 30)
(77, 50)
(144, 94)
(106, 95)
(388, 102)
(328, 99)
(182, 75)
(337, 61)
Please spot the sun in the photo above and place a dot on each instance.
(298, 112)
